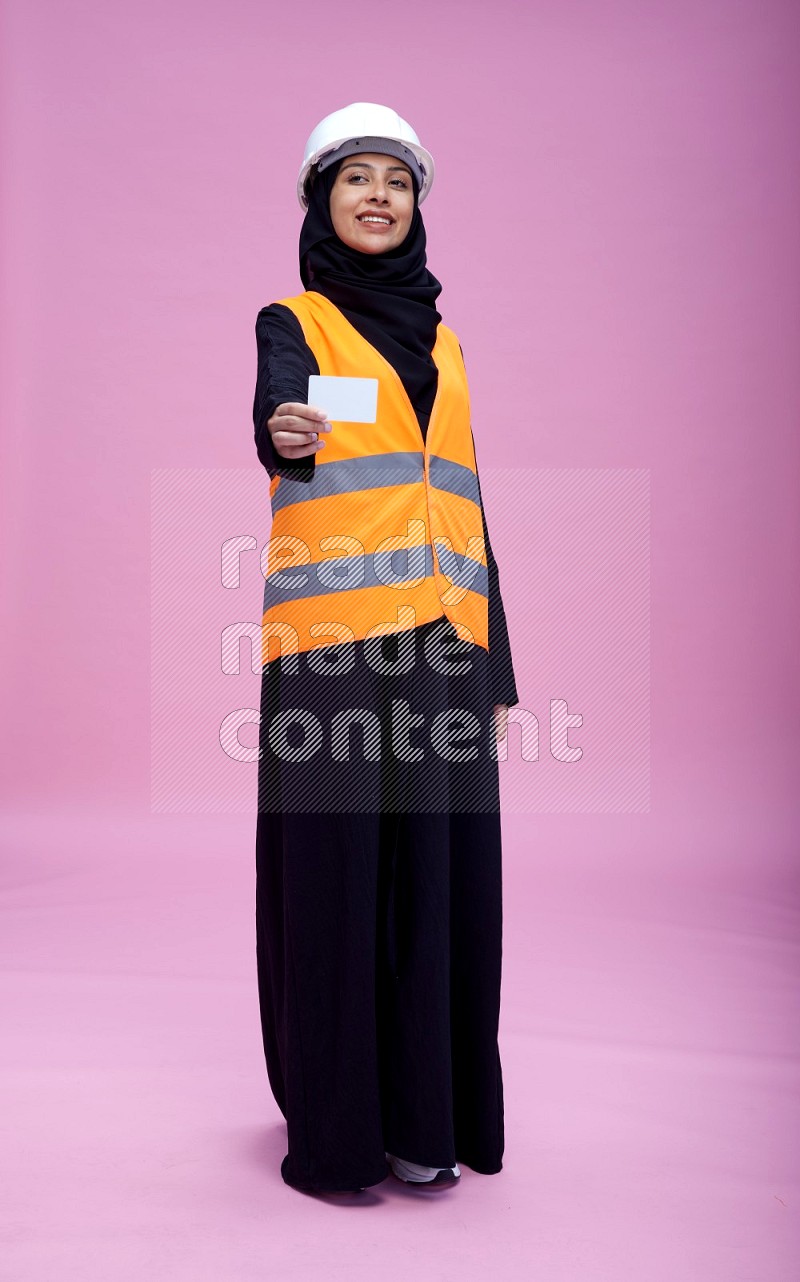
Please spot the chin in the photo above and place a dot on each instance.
(368, 247)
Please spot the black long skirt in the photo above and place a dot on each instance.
(379, 911)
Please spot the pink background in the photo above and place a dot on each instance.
(614, 222)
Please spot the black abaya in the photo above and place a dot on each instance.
(379, 903)
(379, 939)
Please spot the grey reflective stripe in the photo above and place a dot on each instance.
(374, 471)
(342, 574)
(455, 478)
(463, 571)
(372, 570)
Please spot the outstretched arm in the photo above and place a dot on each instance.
(284, 363)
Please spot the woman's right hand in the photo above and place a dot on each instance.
(294, 429)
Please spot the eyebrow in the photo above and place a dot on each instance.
(364, 164)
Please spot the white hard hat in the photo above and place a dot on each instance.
(370, 123)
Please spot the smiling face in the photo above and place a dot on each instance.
(372, 202)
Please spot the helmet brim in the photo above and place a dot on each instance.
(424, 159)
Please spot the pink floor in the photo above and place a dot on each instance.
(649, 1037)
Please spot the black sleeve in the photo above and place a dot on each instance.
(504, 686)
(284, 363)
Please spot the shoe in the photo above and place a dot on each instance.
(413, 1173)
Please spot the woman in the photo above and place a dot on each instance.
(387, 678)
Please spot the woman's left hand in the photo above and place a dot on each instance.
(500, 720)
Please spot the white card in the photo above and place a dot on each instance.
(345, 400)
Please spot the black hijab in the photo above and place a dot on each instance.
(389, 298)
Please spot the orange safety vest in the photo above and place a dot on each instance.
(400, 516)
